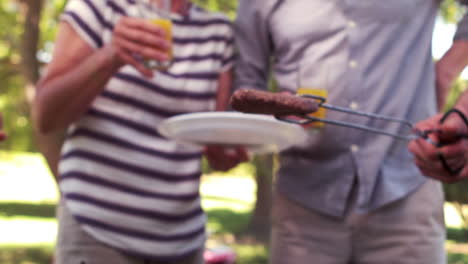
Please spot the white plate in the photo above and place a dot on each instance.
(258, 133)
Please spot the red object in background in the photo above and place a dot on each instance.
(2, 134)
(219, 255)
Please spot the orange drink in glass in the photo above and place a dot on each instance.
(166, 25)
(158, 12)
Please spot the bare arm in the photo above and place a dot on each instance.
(77, 73)
(221, 158)
(224, 90)
(50, 145)
(73, 79)
(448, 68)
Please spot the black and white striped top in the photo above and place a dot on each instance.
(125, 184)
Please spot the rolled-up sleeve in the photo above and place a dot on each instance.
(253, 45)
(462, 28)
(86, 18)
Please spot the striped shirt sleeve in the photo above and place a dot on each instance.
(85, 16)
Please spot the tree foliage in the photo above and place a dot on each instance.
(227, 7)
(12, 97)
(451, 11)
(14, 103)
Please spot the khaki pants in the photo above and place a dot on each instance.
(410, 231)
(74, 246)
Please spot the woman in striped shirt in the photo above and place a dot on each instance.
(128, 194)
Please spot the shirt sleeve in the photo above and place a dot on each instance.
(253, 45)
(85, 17)
(462, 28)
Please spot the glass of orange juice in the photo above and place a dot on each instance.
(158, 12)
(313, 82)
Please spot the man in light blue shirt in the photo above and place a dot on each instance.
(352, 196)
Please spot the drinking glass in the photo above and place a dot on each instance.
(313, 80)
(158, 12)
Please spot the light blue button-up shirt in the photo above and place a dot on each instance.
(370, 55)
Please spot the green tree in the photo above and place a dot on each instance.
(12, 97)
(31, 27)
(228, 7)
(451, 11)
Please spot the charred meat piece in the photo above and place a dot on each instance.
(278, 104)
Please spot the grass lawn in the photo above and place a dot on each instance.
(27, 208)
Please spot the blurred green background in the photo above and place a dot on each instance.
(237, 202)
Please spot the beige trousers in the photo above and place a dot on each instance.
(409, 231)
(74, 246)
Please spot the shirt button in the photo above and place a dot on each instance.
(353, 64)
(354, 105)
(354, 148)
(351, 24)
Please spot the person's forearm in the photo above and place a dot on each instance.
(61, 99)
(50, 145)
(449, 67)
(224, 91)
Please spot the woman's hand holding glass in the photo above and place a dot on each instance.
(138, 36)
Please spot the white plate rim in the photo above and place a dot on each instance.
(299, 133)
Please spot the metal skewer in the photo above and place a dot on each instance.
(310, 119)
